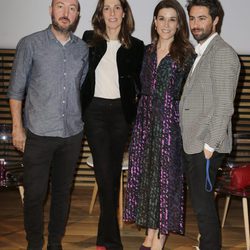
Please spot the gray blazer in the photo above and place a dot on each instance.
(207, 102)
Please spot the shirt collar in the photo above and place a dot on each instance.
(200, 48)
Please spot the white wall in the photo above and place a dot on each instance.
(22, 17)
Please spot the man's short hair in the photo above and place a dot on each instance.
(214, 6)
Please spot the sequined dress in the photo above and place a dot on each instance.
(155, 195)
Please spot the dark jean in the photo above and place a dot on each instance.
(203, 202)
(107, 134)
(48, 159)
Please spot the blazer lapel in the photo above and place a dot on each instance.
(99, 51)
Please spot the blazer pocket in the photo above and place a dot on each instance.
(203, 127)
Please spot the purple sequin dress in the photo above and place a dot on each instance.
(155, 194)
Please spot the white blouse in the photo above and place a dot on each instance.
(106, 74)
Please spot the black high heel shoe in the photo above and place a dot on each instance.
(144, 248)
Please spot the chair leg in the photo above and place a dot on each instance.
(198, 237)
(93, 199)
(120, 211)
(246, 221)
(21, 191)
(225, 211)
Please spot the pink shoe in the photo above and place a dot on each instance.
(100, 248)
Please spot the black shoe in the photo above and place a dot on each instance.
(54, 247)
(142, 247)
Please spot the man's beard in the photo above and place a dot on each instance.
(203, 36)
(61, 29)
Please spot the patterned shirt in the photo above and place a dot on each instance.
(49, 76)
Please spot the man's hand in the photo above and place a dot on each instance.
(208, 154)
(18, 132)
(19, 138)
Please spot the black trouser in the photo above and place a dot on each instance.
(45, 156)
(203, 202)
(107, 133)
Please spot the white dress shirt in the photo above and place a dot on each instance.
(200, 49)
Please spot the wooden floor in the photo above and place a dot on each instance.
(81, 229)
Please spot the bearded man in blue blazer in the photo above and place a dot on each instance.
(206, 108)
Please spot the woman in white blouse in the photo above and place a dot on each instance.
(109, 101)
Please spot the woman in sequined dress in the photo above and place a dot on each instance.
(154, 195)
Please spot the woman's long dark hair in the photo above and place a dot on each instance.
(127, 25)
(180, 48)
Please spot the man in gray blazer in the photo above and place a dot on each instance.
(206, 108)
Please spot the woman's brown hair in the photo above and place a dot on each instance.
(127, 25)
(181, 47)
